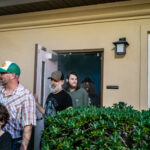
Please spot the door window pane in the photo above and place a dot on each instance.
(42, 82)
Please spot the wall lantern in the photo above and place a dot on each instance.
(120, 46)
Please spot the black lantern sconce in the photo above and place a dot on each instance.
(120, 46)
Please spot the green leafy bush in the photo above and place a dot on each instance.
(90, 128)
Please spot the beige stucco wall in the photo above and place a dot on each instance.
(18, 39)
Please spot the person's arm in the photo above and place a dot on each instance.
(28, 120)
(26, 137)
(38, 106)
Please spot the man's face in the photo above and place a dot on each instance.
(73, 81)
(5, 78)
(55, 86)
(54, 83)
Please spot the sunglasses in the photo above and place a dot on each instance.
(4, 72)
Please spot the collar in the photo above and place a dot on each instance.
(14, 92)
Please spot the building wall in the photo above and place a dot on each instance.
(18, 39)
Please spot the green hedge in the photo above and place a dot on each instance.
(91, 128)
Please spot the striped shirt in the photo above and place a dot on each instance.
(22, 109)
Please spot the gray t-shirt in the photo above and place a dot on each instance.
(79, 97)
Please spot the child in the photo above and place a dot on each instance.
(5, 137)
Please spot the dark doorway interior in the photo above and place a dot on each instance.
(87, 64)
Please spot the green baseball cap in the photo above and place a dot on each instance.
(10, 67)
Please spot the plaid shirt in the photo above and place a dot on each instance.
(22, 109)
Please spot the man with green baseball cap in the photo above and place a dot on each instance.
(20, 103)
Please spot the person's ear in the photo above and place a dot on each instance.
(63, 82)
(2, 123)
(67, 80)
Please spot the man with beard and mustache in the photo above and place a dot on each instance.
(20, 104)
(79, 95)
(58, 99)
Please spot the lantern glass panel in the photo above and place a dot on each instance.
(120, 48)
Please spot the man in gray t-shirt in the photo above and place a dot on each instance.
(79, 95)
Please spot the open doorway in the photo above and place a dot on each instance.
(85, 64)
(88, 65)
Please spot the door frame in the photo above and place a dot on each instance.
(148, 70)
(143, 73)
(41, 56)
(101, 51)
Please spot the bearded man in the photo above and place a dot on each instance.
(20, 104)
(58, 99)
(79, 95)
